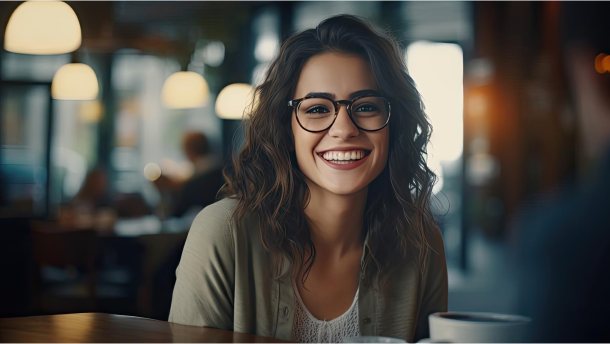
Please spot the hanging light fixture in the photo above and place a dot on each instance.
(74, 81)
(185, 90)
(232, 101)
(42, 28)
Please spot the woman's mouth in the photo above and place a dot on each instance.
(344, 159)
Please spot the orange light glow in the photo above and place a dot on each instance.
(91, 111)
(600, 66)
(606, 63)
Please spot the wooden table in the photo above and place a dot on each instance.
(105, 328)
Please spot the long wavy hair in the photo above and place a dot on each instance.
(264, 176)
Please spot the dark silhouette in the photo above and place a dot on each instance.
(200, 190)
(564, 241)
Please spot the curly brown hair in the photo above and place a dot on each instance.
(266, 180)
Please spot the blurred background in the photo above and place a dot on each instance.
(109, 127)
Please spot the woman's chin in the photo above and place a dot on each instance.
(344, 188)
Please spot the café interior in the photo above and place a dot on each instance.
(100, 128)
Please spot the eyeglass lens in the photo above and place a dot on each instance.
(369, 113)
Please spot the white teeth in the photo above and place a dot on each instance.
(342, 157)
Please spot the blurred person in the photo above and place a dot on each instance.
(90, 207)
(564, 242)
(92, 192)
(201, 188)
(327, 232)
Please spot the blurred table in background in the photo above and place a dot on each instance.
(133, 263)
(109, 328)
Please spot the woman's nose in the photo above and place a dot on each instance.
(343, 127)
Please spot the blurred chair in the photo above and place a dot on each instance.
(119, 274)
(60, 257)
(161, 258)
(15, 267)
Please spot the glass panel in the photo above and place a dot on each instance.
(23, 156)
(437, 71)
(75, 135)
(31, 67)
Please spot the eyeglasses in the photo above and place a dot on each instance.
(316, 113)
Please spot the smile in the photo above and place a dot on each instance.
(344, 160)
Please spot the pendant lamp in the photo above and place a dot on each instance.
(74, 81)
(42, 28)
(232, 101)
(184, 90)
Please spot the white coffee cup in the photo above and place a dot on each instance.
(478, 327)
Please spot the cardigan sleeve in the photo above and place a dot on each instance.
(435, 288)
(205, 278)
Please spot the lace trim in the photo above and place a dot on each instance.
(309, 329)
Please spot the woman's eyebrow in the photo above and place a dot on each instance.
(363, 92)
(332, 96)
(320, 94)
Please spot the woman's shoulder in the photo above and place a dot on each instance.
(434, 248)
(219, 212)
(217, 224)
(435, 239)
(429, 254)
(214, 224)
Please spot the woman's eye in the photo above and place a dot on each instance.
(367, 107)
(318, 109)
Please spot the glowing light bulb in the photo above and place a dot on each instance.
(74, 81)
(233, 100)
(184, 90)
(42, 28)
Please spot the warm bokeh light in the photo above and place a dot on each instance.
(233, 100)
(43, 28)
(74, 81)
(152, 171)
(476, 103)
(185, 90)
(599, 64)
(91, 111)
(606, 63)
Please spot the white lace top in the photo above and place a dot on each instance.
(308, 329)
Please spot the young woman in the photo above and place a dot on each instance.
(327, 232)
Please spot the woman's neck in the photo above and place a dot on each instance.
(335, 221)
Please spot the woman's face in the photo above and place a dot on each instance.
(340, 75)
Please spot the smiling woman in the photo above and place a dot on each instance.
(326, 232)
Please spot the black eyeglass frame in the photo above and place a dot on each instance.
(348, 105)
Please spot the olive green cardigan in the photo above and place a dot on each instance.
(223, 282)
